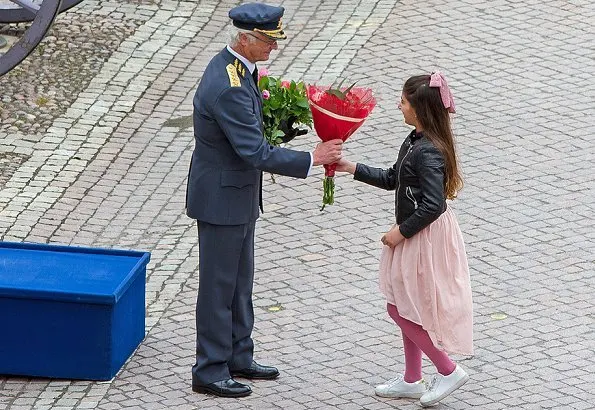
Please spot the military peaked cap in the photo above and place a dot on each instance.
(259, 17)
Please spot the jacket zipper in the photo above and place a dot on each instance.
(409, 194)
(399, 177)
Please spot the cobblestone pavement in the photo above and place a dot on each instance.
(104, 164)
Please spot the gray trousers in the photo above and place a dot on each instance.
(224, 311)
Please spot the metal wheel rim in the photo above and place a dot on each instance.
(21, 15)
(21, 49)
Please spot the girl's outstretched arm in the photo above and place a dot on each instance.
(346, 166)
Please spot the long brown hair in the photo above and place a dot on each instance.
(435, 120)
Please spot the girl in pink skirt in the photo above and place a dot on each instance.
(423, 266)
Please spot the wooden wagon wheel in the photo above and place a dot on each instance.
(26, 10)
(42, 21)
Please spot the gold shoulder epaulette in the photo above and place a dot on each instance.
(232, 73)
(240, 67)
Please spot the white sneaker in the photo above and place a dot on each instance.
(397, 387)
(442, 386)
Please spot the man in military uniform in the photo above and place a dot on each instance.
(224, 196)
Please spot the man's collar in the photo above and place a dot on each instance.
(250, 66)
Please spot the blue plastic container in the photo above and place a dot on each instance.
(69, 312)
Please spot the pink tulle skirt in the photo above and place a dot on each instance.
(427, 278)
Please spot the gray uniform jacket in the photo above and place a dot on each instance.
(230, 153)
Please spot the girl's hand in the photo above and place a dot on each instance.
(392, 237)
(345, 166)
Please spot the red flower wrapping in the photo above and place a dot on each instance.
(338, 114)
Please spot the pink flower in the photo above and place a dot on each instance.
(262, 72)
(266, 94)
(285, 84)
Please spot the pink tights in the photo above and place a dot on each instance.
(415, 341)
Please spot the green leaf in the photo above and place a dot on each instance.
(263, 83)
(349, 88)
(302, 103)
(336, 93)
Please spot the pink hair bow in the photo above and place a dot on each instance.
(437, 79)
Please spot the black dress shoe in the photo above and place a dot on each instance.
(223, 388)
(257, 371)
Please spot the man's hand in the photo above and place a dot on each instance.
(292, 133)
(327, 152)
(287, 128)
(392, 237)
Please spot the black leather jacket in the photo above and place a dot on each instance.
(418, 178)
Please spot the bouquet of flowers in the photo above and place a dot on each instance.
(285, 105)
(338, 113)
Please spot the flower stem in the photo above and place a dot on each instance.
(328, 197)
